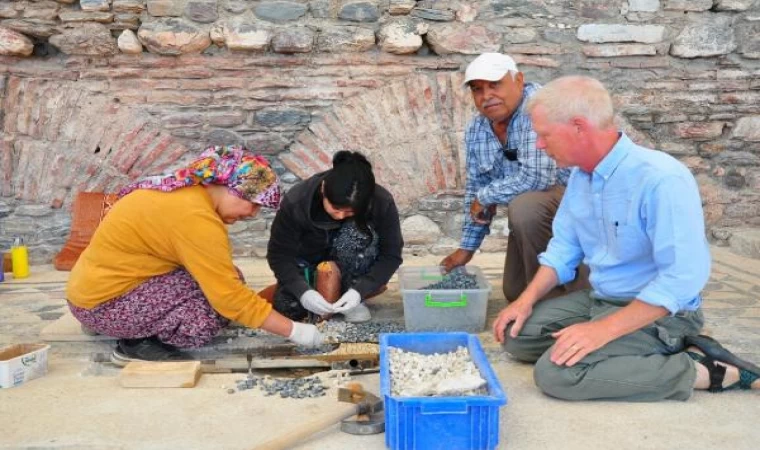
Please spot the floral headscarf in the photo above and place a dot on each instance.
(245, 174)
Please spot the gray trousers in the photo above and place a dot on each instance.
(646, 365)
(530, 217)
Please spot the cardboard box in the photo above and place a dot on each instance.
(22, 362)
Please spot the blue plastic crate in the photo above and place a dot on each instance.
(451, 423)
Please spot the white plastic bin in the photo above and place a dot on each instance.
(442, 309)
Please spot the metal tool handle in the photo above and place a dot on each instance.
(291, 437)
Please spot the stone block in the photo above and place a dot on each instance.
(438, 15)
(613, 50)
(360, 11)
(14, 44)
(749, 36)
(13, 10)
(293, 40)
(201, 11)
(95, 5)
(401, 7)
(90, 39)
(125, 22)
(733, 5)
(699, 130)
(747, 129)
(32, 27)
(345, 39)
(420, 230)
(234, 6)
(173, 37)
(239, 34)
(688, 5)
(603, 33)
(225, 119)
(453, 38)
(643, 5)
(401, 37)
(45, 10)
(79, 16)
(321, 9)
(128, 43)
(128, 6)
(597, 9)
(279, 11)
(519, 35)
(166, 8)
(282, 117)
(708, 37)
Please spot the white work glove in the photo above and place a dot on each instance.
(314, 302)
(348, 301)
(306, 334)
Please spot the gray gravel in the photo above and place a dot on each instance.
(286, 388)
(456, 279)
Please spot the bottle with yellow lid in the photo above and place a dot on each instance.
(20, 258)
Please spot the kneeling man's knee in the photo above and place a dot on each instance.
(552, 379)
(521, 347)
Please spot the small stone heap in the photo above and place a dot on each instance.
(456, 279)
(297, 388)
(340, 331)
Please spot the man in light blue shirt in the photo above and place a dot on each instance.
(504, 167)
(634, 216)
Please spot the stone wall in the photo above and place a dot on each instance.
(98, 92)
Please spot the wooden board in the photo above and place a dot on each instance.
(348, 351)
(170, 374)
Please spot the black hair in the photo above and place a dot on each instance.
(351, 184)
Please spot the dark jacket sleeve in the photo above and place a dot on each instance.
(391, 243)
(282, 250)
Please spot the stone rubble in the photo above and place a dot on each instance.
(297, 388)
(456, 279)
(340, 331)
(439, 374)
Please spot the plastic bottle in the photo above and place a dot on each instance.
(2, 269)
(20, 257)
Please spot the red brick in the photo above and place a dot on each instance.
(613, 50)
(538, 61)
(161, 145)
(130, 156)
(179, 97)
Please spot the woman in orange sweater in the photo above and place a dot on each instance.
(158, 273)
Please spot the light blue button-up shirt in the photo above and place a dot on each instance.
(637, 222)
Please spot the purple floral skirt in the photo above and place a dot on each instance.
(171, 307)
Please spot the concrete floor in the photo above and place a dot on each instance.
(80, 405)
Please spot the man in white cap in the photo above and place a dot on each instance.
(505, 168)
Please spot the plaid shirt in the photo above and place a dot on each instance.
(498, 173)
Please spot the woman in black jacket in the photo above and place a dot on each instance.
(340, 215)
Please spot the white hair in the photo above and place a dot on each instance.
(575, 96)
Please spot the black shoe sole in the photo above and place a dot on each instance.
(718, 352)
(122, 360)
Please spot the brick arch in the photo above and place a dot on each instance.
(411, 130)
(62, 137)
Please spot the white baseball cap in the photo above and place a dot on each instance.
(489, 67)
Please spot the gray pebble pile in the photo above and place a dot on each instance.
(455, 280)
(286, 388)
(367, 332)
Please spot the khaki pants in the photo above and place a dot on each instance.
(530, 217)
(646, 365)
